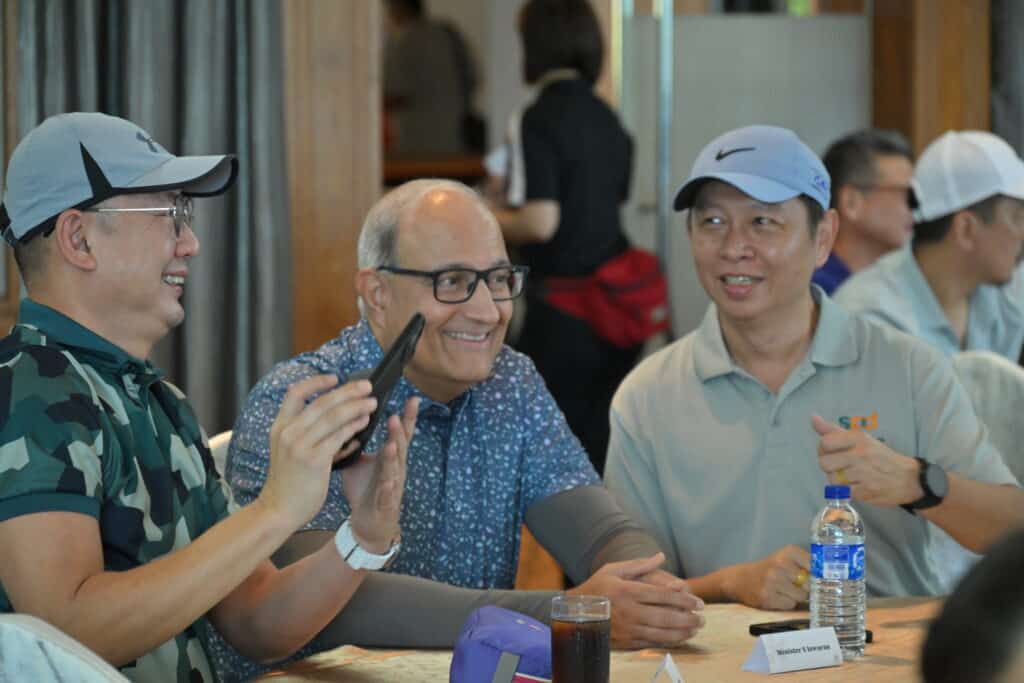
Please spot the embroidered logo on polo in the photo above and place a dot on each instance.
(723, 154)
(861, 423)
(857, 423)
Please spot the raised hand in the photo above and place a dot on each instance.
(874, 472)
(374, 485)
(305, 440)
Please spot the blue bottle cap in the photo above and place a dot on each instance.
(837, 492)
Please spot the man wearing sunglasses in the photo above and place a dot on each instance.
(959, 286)
(491, 448)
(114, 524)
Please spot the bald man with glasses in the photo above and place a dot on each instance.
(491, 450)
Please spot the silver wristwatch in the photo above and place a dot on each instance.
(358, 557)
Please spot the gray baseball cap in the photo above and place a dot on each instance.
(79, 159)
(768, 163)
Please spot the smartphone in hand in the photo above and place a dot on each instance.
(384, 378)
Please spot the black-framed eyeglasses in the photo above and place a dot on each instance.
(180, 213)
(456, 285)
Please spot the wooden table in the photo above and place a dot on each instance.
(714, 656)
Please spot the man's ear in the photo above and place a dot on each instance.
(71, 240)
(964, 229)
(825, 237)
(373, 289)
(849, 201)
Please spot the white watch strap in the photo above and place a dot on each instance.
(355, 555)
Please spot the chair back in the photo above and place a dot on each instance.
(219, 450)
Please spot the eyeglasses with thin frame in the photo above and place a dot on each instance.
(457, 285)
(181, 212)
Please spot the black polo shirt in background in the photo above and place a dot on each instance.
(569, 146)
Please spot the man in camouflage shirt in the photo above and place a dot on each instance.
(114, 524)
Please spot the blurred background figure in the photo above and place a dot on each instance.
(871, 171)
(429, 82)
(979, 635)
(569, 169)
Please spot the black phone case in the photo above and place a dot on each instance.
(384, 378)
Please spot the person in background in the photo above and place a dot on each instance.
(114, 524)
(491, 449)
(979, 634)
(870, 171)
(570, 163)
(429, 83)
(960, 285)
(722, 442)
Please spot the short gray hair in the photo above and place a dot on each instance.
(379, 235)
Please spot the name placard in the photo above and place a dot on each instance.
(776, 653)
(668, 670)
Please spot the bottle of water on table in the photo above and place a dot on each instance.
(838, 596)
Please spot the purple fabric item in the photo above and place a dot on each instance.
(490, 631)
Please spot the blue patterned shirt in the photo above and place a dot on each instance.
(475, 465)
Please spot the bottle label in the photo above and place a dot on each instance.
(841, 562)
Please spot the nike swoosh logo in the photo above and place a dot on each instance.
(723, 154)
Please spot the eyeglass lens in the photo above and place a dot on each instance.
(457, 285)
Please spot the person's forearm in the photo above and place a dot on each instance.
(976, 514)
(536, 221)
(279, 614)
(122, 615)
(584, 529)
(711, 587)
(395, 610)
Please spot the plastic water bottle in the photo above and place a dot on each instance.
(838, 596)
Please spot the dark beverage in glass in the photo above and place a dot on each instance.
(580, 639)
(580, 651)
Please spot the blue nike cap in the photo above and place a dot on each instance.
(768, 163)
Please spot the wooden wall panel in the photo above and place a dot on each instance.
(332, 115)
(8, 140)
(932, 66)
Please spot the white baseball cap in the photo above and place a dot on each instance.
(961, 168)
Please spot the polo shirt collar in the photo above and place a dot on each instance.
(67, 332)
(834, 342)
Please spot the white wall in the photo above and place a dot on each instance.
(811, 74)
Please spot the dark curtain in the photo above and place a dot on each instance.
(1008, 71)
(203, 77)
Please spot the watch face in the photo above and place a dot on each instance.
(935, 478)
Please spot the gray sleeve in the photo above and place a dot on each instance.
(585, 528)
(395, 610)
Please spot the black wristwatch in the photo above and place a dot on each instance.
(934, 483)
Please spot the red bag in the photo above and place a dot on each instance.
(625, 300)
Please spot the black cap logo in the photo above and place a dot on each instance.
(723, 154)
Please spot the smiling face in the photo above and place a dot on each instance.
(754, 259)
(445, 229)
(140, 274)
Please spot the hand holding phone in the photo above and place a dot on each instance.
(384, 378)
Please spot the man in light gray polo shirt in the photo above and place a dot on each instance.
(723, 442)
(958, 286)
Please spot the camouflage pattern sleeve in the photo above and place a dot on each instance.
(51, 436)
